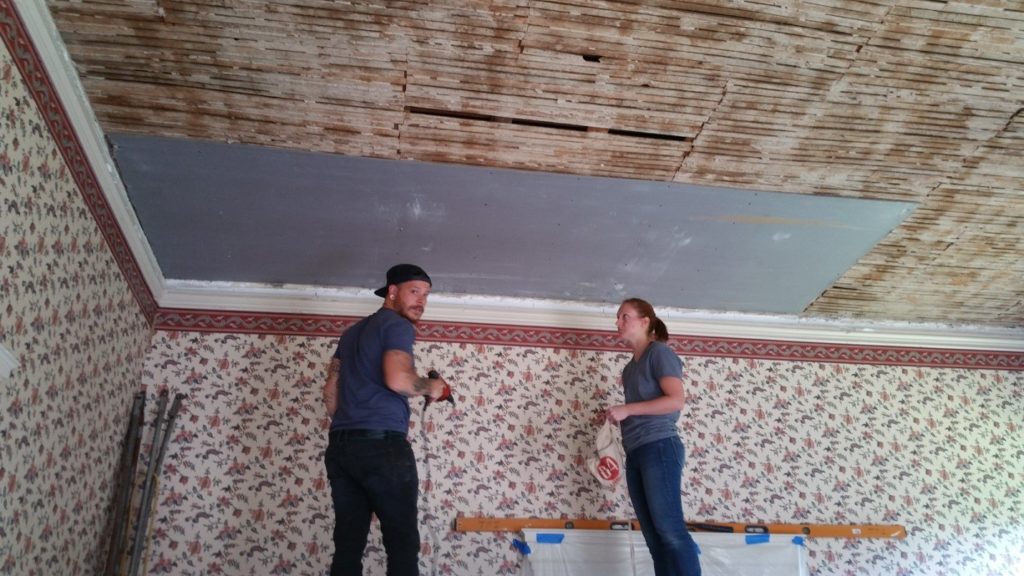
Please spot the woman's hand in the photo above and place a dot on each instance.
(617, 414)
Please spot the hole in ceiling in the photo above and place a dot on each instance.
(497, 119)
(651, 135)
(542, 124)
(451, 114)
(545, 124)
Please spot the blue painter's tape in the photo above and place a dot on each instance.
(757, 538)
(521, 546)
(550, 538)
(798, 540)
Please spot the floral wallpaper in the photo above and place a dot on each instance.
(80, 337)
(937, 450)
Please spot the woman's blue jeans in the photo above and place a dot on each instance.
(373, 472)
(654, 473)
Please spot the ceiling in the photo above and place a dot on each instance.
(839, 160)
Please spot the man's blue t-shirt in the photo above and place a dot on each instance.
(364, 400)
(642, 381)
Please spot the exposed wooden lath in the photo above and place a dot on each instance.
(907, 100)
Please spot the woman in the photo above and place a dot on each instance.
(654, 454)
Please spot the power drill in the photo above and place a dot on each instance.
(445, 395)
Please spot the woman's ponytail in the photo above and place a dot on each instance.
(659, 329)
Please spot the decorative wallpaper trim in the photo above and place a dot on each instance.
(579, 339)
(40, 85)
(250, 323)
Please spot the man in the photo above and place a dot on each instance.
(369, 461)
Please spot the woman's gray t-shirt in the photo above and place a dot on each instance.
(641, 380)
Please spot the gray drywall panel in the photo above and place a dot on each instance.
(230, 212)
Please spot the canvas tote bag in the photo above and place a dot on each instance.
(608, 464)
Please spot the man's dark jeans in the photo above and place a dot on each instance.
(373, 472)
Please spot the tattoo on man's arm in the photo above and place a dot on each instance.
(421, 386)
(334, 367)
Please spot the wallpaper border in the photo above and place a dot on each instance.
(461, 332)
(40, 85)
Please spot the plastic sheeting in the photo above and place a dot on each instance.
(624, 553)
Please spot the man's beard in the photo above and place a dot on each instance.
(407, 314)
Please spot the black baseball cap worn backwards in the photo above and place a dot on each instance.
(402, 273)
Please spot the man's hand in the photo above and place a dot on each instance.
(438, 393)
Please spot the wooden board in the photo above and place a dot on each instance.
(808, 530)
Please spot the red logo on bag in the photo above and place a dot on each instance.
(608, 468)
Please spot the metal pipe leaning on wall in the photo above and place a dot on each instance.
(138, 533)
(161, 434)
(125, 486)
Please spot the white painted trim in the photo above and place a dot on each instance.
(8, 363)
(48, 43)
(314, 300)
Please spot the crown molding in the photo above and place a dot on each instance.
(321, 302)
